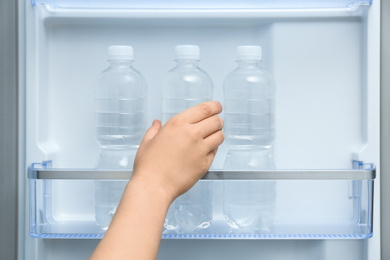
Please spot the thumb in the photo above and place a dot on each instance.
(153, 130)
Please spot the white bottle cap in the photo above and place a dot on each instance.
(187, 52)
(120, 52)
(249, 52)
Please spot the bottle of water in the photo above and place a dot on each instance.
(184, 86)
(249, 97)
(121, 121)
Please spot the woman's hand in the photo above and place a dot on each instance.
(174, 157)
(170, 160)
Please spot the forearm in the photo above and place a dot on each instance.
(136, 228)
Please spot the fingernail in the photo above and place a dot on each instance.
(220, 107)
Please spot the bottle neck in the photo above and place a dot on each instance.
(120, 63)
(187, 62)
(248, 63)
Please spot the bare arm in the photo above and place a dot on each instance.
(169, 161)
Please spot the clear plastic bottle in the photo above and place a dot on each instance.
(121, 122)
(184, 86)
(249, 106)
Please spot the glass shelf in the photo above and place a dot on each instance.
(309, 204)
(203, 4)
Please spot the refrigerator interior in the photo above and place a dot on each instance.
(325, 64)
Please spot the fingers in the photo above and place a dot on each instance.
(211, 156)
(200, 112)
(152, 131)
(214, 140)
(210, 125)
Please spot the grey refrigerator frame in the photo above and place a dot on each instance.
(385, 129)
(9, 129)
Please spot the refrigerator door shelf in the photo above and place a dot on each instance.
(214, 4)
(94, 174)
(307, 204)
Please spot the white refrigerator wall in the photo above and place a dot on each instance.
(325, 64)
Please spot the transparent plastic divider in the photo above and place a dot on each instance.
(310, 204)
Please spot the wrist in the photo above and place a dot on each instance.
(141, 184)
